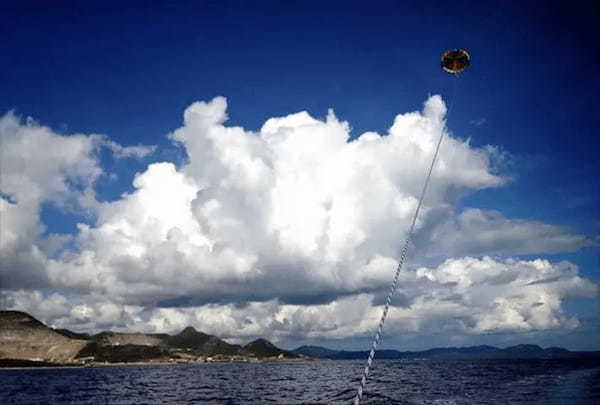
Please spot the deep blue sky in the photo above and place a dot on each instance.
(130, 71)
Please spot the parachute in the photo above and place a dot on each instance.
(455, 61)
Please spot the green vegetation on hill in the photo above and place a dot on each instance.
(201, 343)
(264, 348)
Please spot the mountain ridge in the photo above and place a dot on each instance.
(24, 338)
(442, 353)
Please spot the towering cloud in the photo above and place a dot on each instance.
(282, 230)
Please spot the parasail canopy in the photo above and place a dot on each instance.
(455, 61)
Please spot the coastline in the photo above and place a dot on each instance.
(28, 364)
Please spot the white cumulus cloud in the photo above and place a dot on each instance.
(294, 212)
(289, 232)
(38, 165)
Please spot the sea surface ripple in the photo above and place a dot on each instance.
(310, 382)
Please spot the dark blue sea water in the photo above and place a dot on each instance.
(310, 382)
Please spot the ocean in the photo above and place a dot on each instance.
(448, 382)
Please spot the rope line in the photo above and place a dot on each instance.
(394, 286)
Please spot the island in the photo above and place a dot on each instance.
(25, 341)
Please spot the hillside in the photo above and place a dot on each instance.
(264, 348)
(201, 343)
(315, 351)
(24, 337)
(140, 339)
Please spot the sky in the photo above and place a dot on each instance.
(251, 169)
